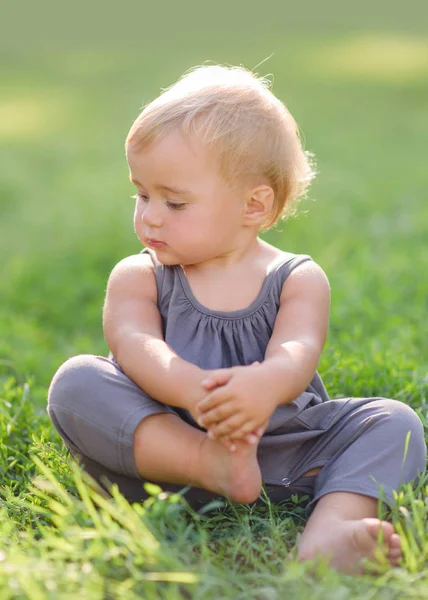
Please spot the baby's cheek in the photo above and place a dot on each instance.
(138, 224)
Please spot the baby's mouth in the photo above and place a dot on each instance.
(154, 243)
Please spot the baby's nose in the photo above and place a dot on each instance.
(152, 215)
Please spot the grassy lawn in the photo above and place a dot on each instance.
(357, 83)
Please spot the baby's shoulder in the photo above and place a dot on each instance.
(133, 276)
(294, 271)
(275, 258)
(134, 264)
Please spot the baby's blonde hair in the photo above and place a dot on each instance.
(251, 132)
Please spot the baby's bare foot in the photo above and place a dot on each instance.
(235, 475)
(348, 543)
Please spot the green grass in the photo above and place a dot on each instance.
(358, 88)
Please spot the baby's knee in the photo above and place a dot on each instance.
(74, 377)
(404, 418)
(405, 428)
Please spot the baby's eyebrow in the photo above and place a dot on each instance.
(168, 188)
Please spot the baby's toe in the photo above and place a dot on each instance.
(395, 542)
(395, 554)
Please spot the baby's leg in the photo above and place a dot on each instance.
(168, 449)
(103, 416)
(344, 527)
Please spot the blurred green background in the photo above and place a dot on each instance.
(355, 77)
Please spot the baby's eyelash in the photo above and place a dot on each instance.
(173, 205)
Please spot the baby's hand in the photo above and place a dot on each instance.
(240, 402)
(211, 383)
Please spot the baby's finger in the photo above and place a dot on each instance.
(260, 431)
(249, 438)
(209, 384)
(246, 429)
(254, 436)
(218, 377)
(225, 427)
(213, 399)
(228, 444)
(216, 415)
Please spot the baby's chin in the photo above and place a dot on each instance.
(169, 258)
(163, 258)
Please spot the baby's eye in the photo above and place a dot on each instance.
(140, 197)
(175, 205)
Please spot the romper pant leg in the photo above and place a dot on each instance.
(370, 446)
(385, 450)
(96, 408)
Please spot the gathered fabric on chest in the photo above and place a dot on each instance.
(218, 339)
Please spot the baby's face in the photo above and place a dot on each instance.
(185, 211)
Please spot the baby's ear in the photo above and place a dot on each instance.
(259, 205)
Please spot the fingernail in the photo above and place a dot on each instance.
(252, 439)
(211, 435)
(232, 448)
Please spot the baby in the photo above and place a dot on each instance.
(215, 335)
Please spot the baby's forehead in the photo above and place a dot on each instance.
(182, 170)
(175, 135)
(174, 147)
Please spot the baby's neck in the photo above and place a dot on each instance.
(233, 259)
(231, 285)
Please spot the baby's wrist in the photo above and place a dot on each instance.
(268, 381)
(190, 391)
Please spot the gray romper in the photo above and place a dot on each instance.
(358, 442)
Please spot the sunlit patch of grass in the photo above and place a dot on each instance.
(25, 117)
(379, 57)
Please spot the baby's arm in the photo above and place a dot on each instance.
(133, 331)
(291, 359)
